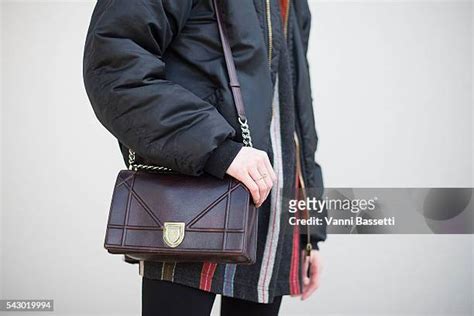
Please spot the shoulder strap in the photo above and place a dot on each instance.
(234, 86)
(233, 79)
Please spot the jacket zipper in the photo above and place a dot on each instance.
(309, 247)
(270, 31)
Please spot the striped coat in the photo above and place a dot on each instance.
(277, 270)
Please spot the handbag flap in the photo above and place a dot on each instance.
(144, 203)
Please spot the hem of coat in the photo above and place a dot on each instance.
(282, 287)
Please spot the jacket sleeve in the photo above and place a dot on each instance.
(305, 116)
(124, 76)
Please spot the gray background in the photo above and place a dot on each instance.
(392, 84)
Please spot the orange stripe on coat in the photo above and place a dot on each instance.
(295, 256)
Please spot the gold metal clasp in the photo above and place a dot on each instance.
(173, 233)
(308, 249)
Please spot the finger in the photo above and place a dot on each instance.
(262, 186)
(313, 285)
(315, 273)
(271, 172)
(252, 187)
(316, 269)
(255, 175)
(304, 269)
(315, 265)
(262, 169)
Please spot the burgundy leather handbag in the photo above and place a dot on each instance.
(159, 215)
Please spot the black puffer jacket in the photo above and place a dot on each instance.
(155, 75)
(172, 103)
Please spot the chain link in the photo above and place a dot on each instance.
(247, 140)
(133, 166)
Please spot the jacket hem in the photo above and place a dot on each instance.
(282, 287)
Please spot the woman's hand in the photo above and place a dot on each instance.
(252, 167)
(311, 278)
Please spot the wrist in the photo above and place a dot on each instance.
(221, 158)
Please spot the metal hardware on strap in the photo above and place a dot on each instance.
(133, 166)
(236, 94)
(308, 249)
(247, 139)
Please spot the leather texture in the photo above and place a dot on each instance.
(219, 217)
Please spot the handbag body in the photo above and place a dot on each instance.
(157, 214)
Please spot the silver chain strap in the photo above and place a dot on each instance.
(133, 166)
(247, 140)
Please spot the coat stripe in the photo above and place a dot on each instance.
(294, 269)
(167, 271)
(295, 262)
(229, 275)
(207, 273)
(271, 243)
(285, 12)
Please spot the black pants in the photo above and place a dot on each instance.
(172, 299)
